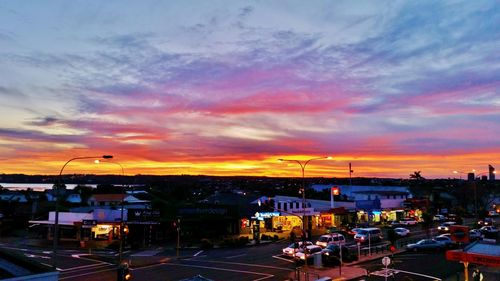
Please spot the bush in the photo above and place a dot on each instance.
(243, 240)
(206, 244)
(115, 245)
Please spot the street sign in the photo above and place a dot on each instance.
(89, 222)
(386, 261)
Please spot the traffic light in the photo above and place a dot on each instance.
(335, 190)
(392, 248)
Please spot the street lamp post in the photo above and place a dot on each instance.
(303, 165)
(120, 253)
(55, 235)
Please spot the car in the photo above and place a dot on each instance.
(335, 229)
(486, 222)
(333, 238)
(408, 221)
(475, 234)
(311, 250)
(455, 218)
(331, 254)
(488, 230)
(395, 224)
(445, 240)
(438, 218)
(354, 231)
(425, 245)
(445, 226)
(368, 235)
(402, 232)
(294, 248)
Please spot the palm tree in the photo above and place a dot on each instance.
(417, 176)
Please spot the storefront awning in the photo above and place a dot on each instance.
(478, 253)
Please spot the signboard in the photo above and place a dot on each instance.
(459, 233)
(142, 215)
(267, 214)
(89, 223)
(386, 261)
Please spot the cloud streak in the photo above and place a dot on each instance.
(229, 87)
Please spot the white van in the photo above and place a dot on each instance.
(372, 234)
(332, 238)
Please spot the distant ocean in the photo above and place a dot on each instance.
(36, 186)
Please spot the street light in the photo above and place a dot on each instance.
(303, 165)
(121, 214)
(56, 219)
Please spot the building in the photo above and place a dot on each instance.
(377, 204)
(113, 200)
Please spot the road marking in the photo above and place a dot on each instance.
(284, 259)
(88, 273)
(419, 274)
(235, 256)
(93, 268)
(265, 275)
(36, 256)
(245, 264)
(196, 254)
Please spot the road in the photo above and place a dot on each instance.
(414, 266)
(263, 262)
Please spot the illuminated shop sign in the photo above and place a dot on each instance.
(267, 214)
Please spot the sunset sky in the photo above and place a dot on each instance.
(228, 87)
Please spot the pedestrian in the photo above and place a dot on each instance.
(477, 275)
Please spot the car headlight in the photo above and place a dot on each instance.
(327, 254)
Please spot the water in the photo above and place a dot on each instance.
(36, 186)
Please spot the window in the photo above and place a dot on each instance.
(285, 207)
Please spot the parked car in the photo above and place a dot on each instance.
(455, 218)
(335, 229)
(331, 255)
(408, 221)
(475, 234)
(333, 238)
(368, 235)
(293, 248)
(311, 250)
(438, 218)
(395, 224)
(445, 240)
(445, 226)
(402, 232)
(425, 245)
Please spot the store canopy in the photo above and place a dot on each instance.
(478, 253)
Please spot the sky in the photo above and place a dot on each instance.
(228, 87)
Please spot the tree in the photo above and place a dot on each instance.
(417, 176)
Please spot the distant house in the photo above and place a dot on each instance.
(74, 198)
(65, 193)
(113, 200)
(13, 196)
